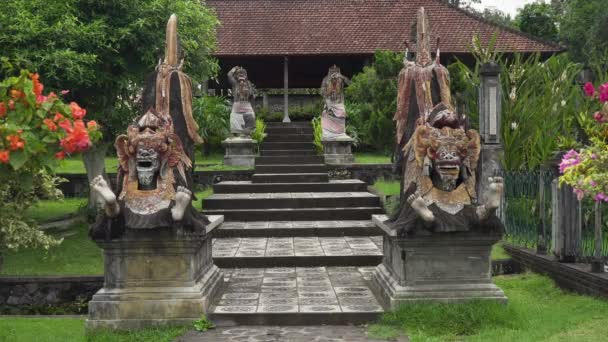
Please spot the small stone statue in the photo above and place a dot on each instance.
(152, 185)
(333, 119)
(242, 117)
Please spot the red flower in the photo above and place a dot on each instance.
(65, 92)
(17, 94)
(604, 92)
(77, 140)
(92, 125)
(57, 117)
(2, 110)
(66, 125)
(60, 155)
(11, 104)
(50, 124)
(589, 89)
(38, 87)
(77, 112)
(4, 156)
(16, 143)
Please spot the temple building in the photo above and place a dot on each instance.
(292, 43)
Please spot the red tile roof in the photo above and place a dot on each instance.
(318, 27)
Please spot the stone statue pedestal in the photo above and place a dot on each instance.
(338, 150)
(155, 277)
(239, 151)
(448, 267)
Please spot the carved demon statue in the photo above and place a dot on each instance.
(152, 185)
(333, 118)
(437, 155)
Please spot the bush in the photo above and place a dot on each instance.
(212, 113)
(372, 101)
(35, 131)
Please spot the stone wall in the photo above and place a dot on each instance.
(571, 276)
(22, 292)
(368, 173)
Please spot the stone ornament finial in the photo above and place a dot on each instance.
(171, 42)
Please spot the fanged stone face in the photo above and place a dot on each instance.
(447, 165)
(147, 167)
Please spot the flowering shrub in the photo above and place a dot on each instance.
(36, 130)
(586, 170)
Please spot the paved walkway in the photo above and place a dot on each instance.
(281, 334)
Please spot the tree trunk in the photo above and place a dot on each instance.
(94, 163)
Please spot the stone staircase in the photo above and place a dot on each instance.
(295, 247)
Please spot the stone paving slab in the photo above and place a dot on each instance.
(281, 334)
(234, 225)
(288, 290)
(297, 246)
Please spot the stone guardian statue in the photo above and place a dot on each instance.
(333, 118)
(242, 116)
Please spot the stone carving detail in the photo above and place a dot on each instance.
(242, 117)
(169, 90)
(153, 191)
(436, 154)
(333, 118)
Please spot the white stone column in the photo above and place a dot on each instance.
(286, 89)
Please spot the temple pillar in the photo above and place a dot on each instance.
(286, 89)
(490, 97)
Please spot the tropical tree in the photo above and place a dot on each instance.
(101, 51)
(538, 19)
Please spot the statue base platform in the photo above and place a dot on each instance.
(448, 267)
(338, 150)
(156, 277)
(239, 152)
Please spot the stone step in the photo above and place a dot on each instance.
(291, 200)
(291, 214)
(306, 168)
(297, 251)
(297, 229)
(274, 124)
(285, 153)
(288, 130)
(287, 146)
(289, 138)
(229, 187)
(296, 296)
(283, 160)
(290, 178)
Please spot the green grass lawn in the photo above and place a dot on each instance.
(372, 158)
(212, 162)
(387, 187)
(15, 329)
(537, 311)
(48, 210)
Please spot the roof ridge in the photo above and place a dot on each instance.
(501, 26)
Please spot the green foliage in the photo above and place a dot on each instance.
(318, 134)
(538, 19)
(387, 187)
(102, 50)
(538, 105)
(203, 324)
(584, 31)
(372, 100)
(259, 133)
(537, 311)
(296, 113)
(372, 158)
(212, 113)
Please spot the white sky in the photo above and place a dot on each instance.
(507, 6)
